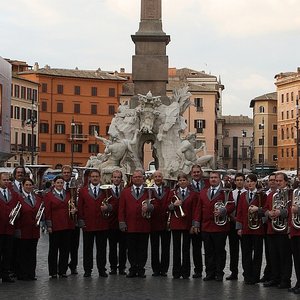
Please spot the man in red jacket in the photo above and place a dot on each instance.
(133, 207)
(214, 212)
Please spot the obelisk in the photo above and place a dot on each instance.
(150, 62)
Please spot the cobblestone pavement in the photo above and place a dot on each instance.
(120, 287)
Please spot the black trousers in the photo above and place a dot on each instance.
(160, 256)
(197, 253)
(27, 258)
(181, 245)
(74, 245)
(252, 247)
(281, 257)
(215, 253)
(6, 246)
(295, 242)
(117, 259)
(58, 255)
(100, 237)
(234, 249)
(137, 244)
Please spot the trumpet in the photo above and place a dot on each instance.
(105, 202)
(39, 214)
(222, 220)
(254, 221)
(280, 200)
(296, 202)
(14, 213)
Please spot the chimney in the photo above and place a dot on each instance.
(36, 66)
(122, 70)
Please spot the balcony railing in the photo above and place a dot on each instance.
(21, 148)
(78, 137)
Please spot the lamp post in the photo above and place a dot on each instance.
(297, 134)
(32, 122)
(243, 145)
(72, 141)
(262, 125)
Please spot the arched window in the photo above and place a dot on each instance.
(287, 133)
(282, 134)
(274, 110)
(261, 109)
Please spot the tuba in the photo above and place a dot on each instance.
(296, 202)
(280, 200)
(39, 214)
(222, 220)
(105, 202)
(14, 213)
(254, 221)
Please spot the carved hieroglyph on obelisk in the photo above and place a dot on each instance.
(150, 62)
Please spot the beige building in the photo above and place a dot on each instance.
(288, 94)
(265, 132)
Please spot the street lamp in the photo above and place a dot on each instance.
(243, 145)
(72, 141)
(32, 122)
(262, 126)
(297, 134)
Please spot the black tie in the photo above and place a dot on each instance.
(30, 200)
(4, 195)
(159, 191)
(198, 186)
(67, 185)
(61, 195)
(117, 191)
(20, 187)
(237, 201)
(137, 191)
(251, 196)
(95, 192)
(212, 193)
(182, 194)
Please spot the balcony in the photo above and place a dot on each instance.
(78, 137)
(245, 157)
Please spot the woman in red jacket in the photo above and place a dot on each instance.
(60, 224)
(28, 232)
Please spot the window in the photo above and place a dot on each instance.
(226, 133)
(43, 147)
(282, 134)
(29, 94)
(274, 126)
(292, 96)
(23, 92)
(93, 109)
(282, 98)
(198, 104)
(17, 91)
(59, 128)
(76, 108)
(244, 153)
(292, 133)
(274, 157)
(77, 147)
(111, 109)
(282, 115)
(261, 141)
(93, 128)
(77, 129)
(274, 110)
(11, 112)
(107, 129)
(23, 114)
(44, 128)
(287, 114)
(274, 140)
(261, 109)
(44, 87)
(17, 113)
(59, 147)
(60, 89)
(34, 95)
(44, 106)
(60, 107)
(292, 152)
(282, 152)
(260, 158)
(93, 148)
(23, 140)
(287, 97)
(111, 92)
(292, 113)
(199, 125)
(77, 90)
(226, 151)
(94, 91)
(287, 153)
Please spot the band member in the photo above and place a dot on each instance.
(197, 185)
(133, 209)
(8, 201)
(249, 225)
(69, 183)
(160, 255)
(116, 238)
(214, 209)
(28, 231)
(278, 239)
(182, 208)
(272, 187)
(233, 237)
(94, 225)
(295, 238)
(59, 225)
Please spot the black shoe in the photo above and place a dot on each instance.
(122, 272)
(63, 275)
(113, 272)
(297, 291)
(87, 274)
(284, 285)
(197, 275)
(292, 290)
(141, 275)
(163, 274)
(74, 271)
(270, 283)
(103, 274)
(249, 282)
(53, 276)
(209, 278)
(156, 274)
(264, 279)
(219, 278)
(185, 276)
(131, 275)
(8, 279)
(232, 277)
(176, 276)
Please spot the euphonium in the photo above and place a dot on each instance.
(147, 214)
(254, 221)
(39, 214)
(105, 202)
(280, 200)
(296, 201)
(14, 213)
(222, 220)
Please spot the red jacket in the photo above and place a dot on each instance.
(189, 206)
(205, 210)
(57, 211)
(26, 223)
(5, 209)
(90, 216)
(114, 202)
(242, 213)
(130, 211)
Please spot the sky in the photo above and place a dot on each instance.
(244, 42)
